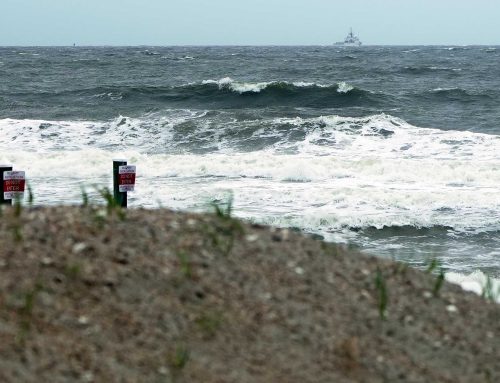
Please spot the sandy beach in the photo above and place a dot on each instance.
(89, 294)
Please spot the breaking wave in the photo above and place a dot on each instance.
(227, 93)
(345, 172)
(477, 282)
(375, 180)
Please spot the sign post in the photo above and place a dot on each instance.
(3, 169)
(123, 181)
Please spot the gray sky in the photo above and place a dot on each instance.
(247, 22)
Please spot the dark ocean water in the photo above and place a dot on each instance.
(438, 87)
(395, 150)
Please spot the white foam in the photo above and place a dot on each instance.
(302, 84)
(239, 87)
(348, 172)
(344, 87)
(476, 282)
(443, 89)
(122, 132)
(257, 87)
(317, 193)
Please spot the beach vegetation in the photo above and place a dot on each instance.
(72, 271)
(432, 265)
(179, 358)
(26, 311)
(223, 210)
(16, 224)
(383, 298)
(112, 205)
(209, 323)
(99, 218)
(223, 232)
(401, 267)
(439, 282)
(489, 292)
(84, 195)
(18, 206)
(17, 232)
(185, 264)
(31, 196)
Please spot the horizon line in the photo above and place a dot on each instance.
(240, 45)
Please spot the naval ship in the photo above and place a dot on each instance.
(351, 40)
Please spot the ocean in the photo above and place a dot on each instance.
(391, 150)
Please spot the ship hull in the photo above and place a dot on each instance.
(348, 44)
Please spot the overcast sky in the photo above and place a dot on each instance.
(247, 22)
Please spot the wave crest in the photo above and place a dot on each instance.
(228, 93)
(257, 87)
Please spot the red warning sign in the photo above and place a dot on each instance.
(14, 183)
(126, 178)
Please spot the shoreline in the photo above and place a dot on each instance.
(96, 294)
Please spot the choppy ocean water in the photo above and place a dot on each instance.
(395, 150)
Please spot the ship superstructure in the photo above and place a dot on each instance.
(351, 40)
